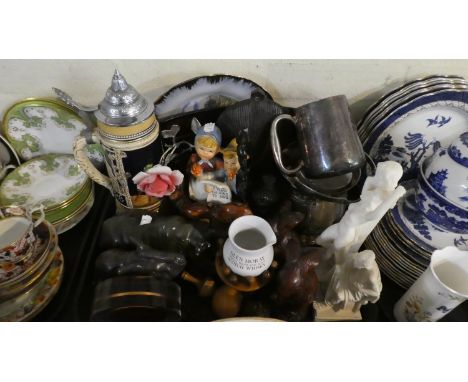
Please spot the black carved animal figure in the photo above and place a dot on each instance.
(143, 261)
(166, 233)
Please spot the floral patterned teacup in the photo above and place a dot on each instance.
(16, 232)
(440, 289)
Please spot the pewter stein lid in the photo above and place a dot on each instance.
(123, 105)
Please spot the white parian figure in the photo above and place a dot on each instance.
(352, 276)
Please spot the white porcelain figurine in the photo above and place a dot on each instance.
(353, 277)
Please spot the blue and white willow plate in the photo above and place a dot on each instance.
(418, 128)
(419, 229)
(407, 92)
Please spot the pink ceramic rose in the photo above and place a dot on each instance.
(158, 181)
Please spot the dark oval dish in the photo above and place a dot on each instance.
(204, 93)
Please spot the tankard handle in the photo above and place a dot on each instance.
(86, 165)
(276, 146)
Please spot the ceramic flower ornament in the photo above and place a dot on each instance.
(158, 181)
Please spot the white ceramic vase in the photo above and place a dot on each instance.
(440, 289)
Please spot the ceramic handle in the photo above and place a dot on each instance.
(4, 170)
(276, 146)
(84, 162)
(41, 218)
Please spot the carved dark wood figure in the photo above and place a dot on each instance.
(217, 213)
(205, 287)
(167, 233)
(226, 302)
(283, 224)
(265, 195)
(297, 282)
(255, 307)
(143, 261)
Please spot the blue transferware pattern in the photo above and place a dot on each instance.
(456, 155)
(460, 242)
(417, 220)
(439, 210)
(448, 176)
(416, 130)
(420, 230)
(416, 148)
(438, 122)
(437, 180)
(455, 152)
(451, 297)
(443, 309)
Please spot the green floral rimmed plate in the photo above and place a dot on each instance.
(38, 126)
(49, 180)
(30, 304)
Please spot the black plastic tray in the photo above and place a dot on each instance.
(76, 245)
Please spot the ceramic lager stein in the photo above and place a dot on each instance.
(128, 131)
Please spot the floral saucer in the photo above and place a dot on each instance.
(31, 303)
(417, 129)
(48, 180)
(203, 93)
(41, 126)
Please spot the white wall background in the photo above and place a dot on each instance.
(290, 82)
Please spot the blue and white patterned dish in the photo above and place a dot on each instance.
(404, 94)
(420, 229)
(395, 260)
(440, 211)
(448, 176)
(458, 150)
(417, 129)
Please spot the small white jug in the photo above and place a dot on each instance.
(440, 289)
(249, 249)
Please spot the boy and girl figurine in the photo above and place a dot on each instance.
(213, 179)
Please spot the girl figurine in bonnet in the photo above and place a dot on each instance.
(206, 169)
